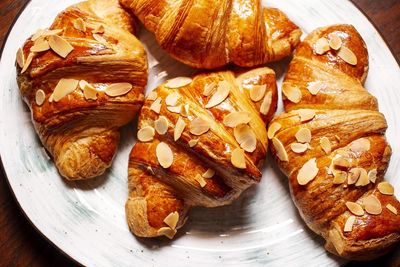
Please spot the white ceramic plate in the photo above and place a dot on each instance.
(87, 220)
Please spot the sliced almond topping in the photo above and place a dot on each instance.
(273, 128)
(353, 175)
(233, 119)
(257, 92)
(156, 105)
(40, 97)
(172, 99)
(315, 87)
(347, 55)
(303, 135)
(64, 88)
(161, 125)
(199, 126)
(363, 179)
(339, 177)
(146, 134)
(321, 46)
(306, 114)
(83, 84)
(79, 24)
(386, 188)
(209, 173)
(179, 128)
(40, 46)
(246, 137)
(355, 208)
(391, 208)
(164, 155)
(167, 231)
(341, 163)
(237, 158)
(178, 82)
(37, 34)
(298, 147)
(209, 89)
(325, 145)
(99, 29)
(185, 110)
(292, 93)
(172, 219)
(372, 205)
(20, 58)
(176, 109)
(90, 93)
(28, 62)
(193, 142)
(372, 175)
(220, 95)
(99, 38)
(348, 226)
(280, 149)
(266, 104)
(118, 89)
(200, 180)
(308, 172)
(360, 145)
(51, 98)
(60, 45)
(334, 41)
(152, 96)
(43, 33)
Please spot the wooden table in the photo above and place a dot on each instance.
(21, 245)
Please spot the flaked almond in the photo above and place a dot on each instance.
(20, 58)
(146, 134)
(83, 84)
(99, 29)
(363, 179)
(266, 103)
(178, 82)
(199, 126)
(315, 87)
(298, 147)
(292, 93)
(355, 208)
(99, 38)
(335, 42)
(347, 55)
(172, 219)
(341, 163)
(209, 89)
(273, 128)
(200, 180)
(118, 89)
(175, 109)
(40, 96)
(172, 99)
(325, 145)
(391, 208)
(220, 95)
(306, 114)
(51, 98)
(280, 149)
(161, 125)
(60, 45)
(179, 128)
(193, 142)
(44, 33)
(164, 155)
(348, 226)
(64, 88)
(372, 175)
(233, 119)
(257, 92)
(208, 174)
(246, 137)
(185, 110)
(386, 188)
(28, 62)
(90, 93)
(360, 145)
(321, 46)
(372, 205)
(80, 25)
(339, 177)
(238, 158)
(308, 172)
(167, 231)
(354, 175)
(152, 96)
(156, 105)
(40, 46)
(303, 135)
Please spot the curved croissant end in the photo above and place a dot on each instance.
(238, 31)
(83, 79)
(331, 145)
(202, 142)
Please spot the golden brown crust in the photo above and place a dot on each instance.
(346, 115)
(238, 31)
(177, 188)
(81, 133)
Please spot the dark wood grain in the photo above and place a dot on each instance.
(21, 245)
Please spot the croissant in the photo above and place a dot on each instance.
(83, 79)
(202, 142)
(210, 34)
(330, 143)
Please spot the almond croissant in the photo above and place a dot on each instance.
(331, 145)
(83, 79)
(202, 142)
(211, 33)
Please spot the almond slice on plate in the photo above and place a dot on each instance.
(339, 177)
(266, 104)
(27, 62)
(315, 87)
(306, 114)
(293, 94)
(335, 42)
(164, 155)
(363, 179)
(161, 125)
(308, 172)
(80, 25)
(20, 58)
(257, 92)
(372, 175)
(172, 99)
(60, 45)
(238, 158)
(246, 137)
(172, 219)
(40, 97)
(303, 135)
(372, 205)
(348, 226)
(156, 105)
(64, 88)
(209, 89)
(118, 89)
(220, 95)
(193, 142)
(325, 145)
(152, 96)
(355, 208)
(360, 145)
(199, 126)
(321, 46)
(200, 180)
(280, 149)
(386, 188)
(391, 208)
(167, 231)
(175, 109)
(233, 119)
(208, 174)
(40, 45)
(178, 82)
(273, 128)
(146, 134)
(298, 147)
(179, 128)
(347, 55)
